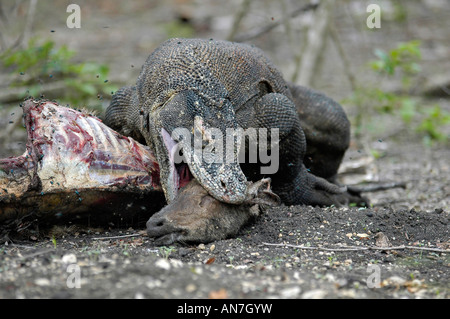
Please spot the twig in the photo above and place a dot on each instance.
(256, 33)
(23, 38)
(358, 248)
(344, 58)
(428, 249)
(376, 187)
(22, 246)
(29, 21)
(238, 19)
(15, 94)
(42, 252)
(316, 41)
(3, 44)
(117, 237)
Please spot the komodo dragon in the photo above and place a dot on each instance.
(201, 85)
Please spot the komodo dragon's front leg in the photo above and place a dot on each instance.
(292, 182)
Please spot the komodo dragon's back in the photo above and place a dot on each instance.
(222, 68)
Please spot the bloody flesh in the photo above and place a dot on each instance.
(73, 163)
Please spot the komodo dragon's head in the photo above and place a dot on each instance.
(196, 135)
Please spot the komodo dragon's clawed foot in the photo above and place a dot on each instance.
(351, 197)
(324, 193)
(195, 216)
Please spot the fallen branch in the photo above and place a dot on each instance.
(41, 252)
(376, 187)
(118, 237)
(358, 248)
(238, 19)
(14, 94)
(312, 55)
(258, 32)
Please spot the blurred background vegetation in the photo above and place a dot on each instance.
(394, 82)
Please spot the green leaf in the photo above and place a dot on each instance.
(407, 109)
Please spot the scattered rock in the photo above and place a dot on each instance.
(382, 240)
(163, 263)
(291, 292)
(314, 294)
(42, 282)
(69, 259)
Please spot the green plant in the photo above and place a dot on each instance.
(93, 252)
(165, 251)
(43, 67)
(277, 262)
(403, 60)
(331, 260)
(124, 247)
(54, 241)
(434, 119)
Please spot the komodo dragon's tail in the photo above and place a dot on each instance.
(122, 114)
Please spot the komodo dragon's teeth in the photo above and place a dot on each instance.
(73, 163)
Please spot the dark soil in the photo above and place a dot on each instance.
(246, 266)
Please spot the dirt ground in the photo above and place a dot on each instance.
(289, 251)
(247, 266)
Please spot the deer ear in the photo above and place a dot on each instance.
(266, 197)
(260, 193)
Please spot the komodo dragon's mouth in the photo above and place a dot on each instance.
(180, 175)
(224, 181)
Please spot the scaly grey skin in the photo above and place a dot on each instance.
(200, 84)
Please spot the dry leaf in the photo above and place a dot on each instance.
(137, 242)
(218, 294)
(143, 233)
(444, 245)
(414, 285)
